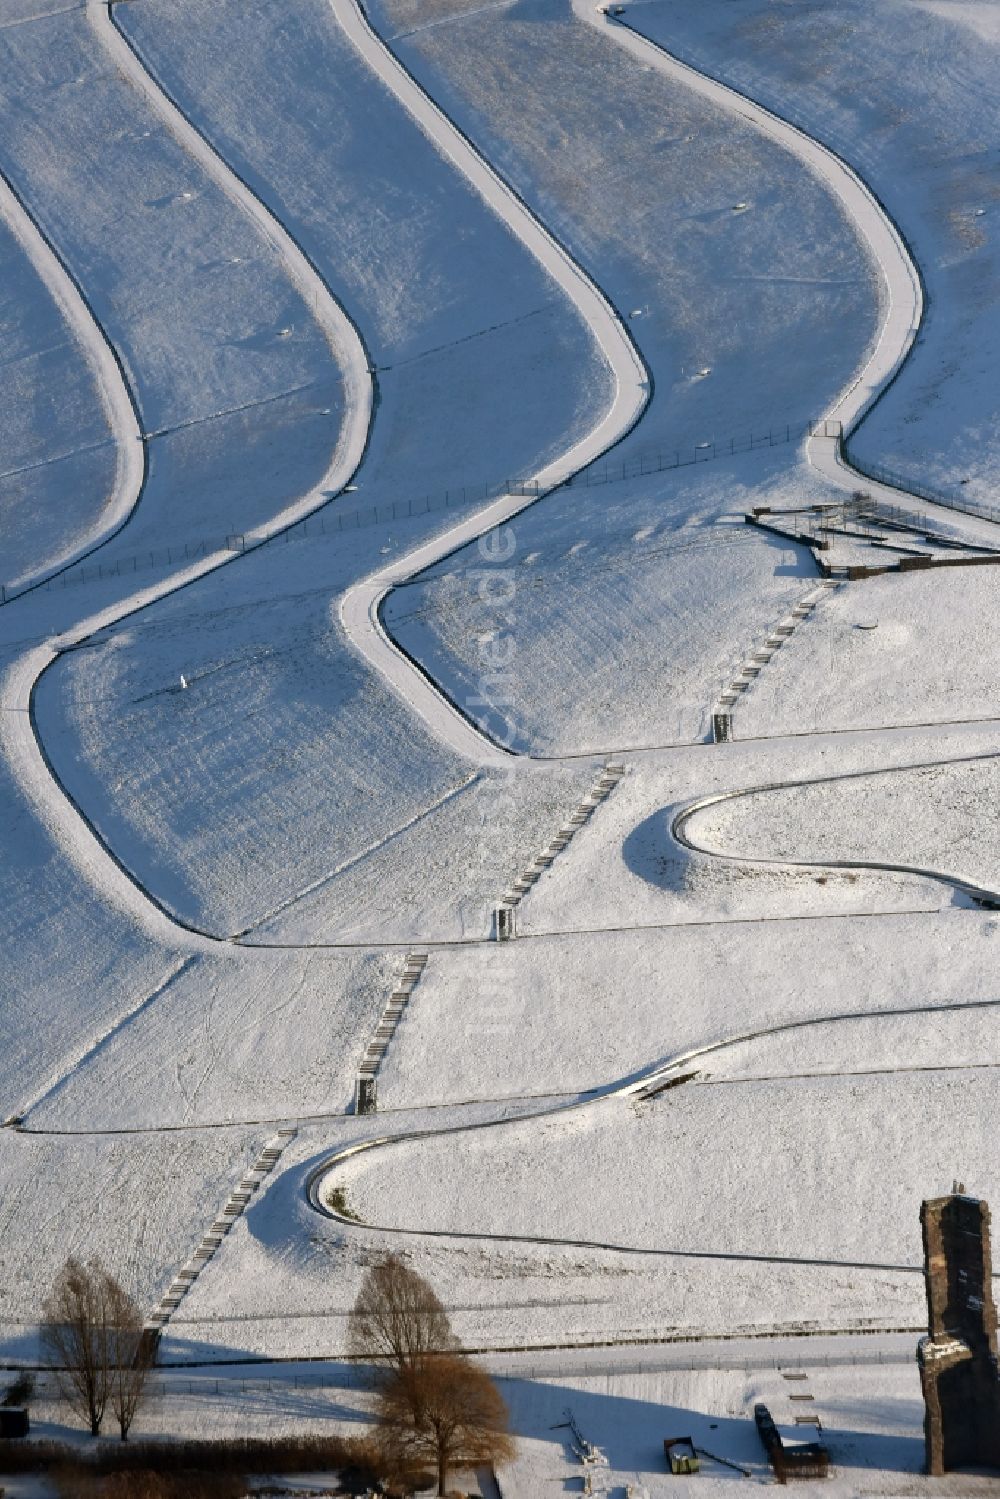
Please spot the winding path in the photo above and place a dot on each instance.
(359, 607)
(60, 814)
(979, 894)
(361, 603)
(903, 302)
(119, 404)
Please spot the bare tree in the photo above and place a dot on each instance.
(131, 1356)
(445, 1412)
(398, 1320)
(75, 1338)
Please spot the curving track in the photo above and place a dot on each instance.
(56, 809)
(359, 607)
(119, 404)
(903, 311)
(903, 304)
(978, 894)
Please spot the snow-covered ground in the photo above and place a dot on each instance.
(817, 1037)
(932, 818)
(905, 90)
(223, 353)
(672, 218)
(483, 370)
(174, 813)
(278, 715)
(754, 1169)
(642, 179)
(233, 1036)
(625, 607)
(907, 648)
(58, 463)
(141, 1202)
(870, 1414)
(539, 1017)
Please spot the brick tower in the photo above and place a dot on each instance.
(958, 1358)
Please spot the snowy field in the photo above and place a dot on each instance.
(58, 461)
(931, 657)
(905, 90)
(232, 1037)
(930, 818)
(734, 1043)
(871, 1415)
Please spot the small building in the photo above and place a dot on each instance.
(789, 1456)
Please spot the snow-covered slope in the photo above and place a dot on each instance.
(752, 302)
(906, 90)
(455, 318)
(933, 817)
(58, 462)
(223, 353)
(483, 370)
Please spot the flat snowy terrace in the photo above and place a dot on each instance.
(755, 1168)
(232, 1037)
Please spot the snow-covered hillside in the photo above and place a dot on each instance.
(421, 382)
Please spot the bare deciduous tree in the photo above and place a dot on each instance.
(131, 1357)
(445, 1412)
(92, 1337)
(398, 1320)
(75, 1339)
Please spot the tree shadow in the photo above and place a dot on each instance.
(631, 1431)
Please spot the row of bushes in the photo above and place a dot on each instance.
(188, 1469)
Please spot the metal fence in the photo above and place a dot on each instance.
(914, 486)
(332, 521)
